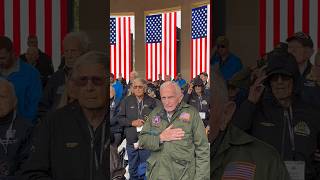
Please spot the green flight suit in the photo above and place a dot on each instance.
(241, 155)
(186, 159)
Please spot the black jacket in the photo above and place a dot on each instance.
(52, 93)
(62, 148)
(114, 123)
(200, 103)
(18, 147)
(129, 112)
(267, 122)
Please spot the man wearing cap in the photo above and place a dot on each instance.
(301, 46)
(228, 62)
(283, 121)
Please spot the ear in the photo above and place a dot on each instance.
(228, 111)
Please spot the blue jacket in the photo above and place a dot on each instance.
(181, 82)
(118, 88)
(231, 66)
(28, 89)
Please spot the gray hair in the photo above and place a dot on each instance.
(144, 82)
(90, 58)
(82, 37)
(171, 83)
(4, 81)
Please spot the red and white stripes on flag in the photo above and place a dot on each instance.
(200, 40)
(161, 45)
(121, 28)
(279, 19)
(45, 18)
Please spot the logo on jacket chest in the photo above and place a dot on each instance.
(302, 129)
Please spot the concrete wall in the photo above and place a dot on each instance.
(138, 7)
(242, 29)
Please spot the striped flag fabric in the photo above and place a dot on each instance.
(200, 42)
(47, 19)
(161, 44)
(280, 19)
(239, 170)
(121, 28)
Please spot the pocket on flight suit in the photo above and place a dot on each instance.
(181, 167)
(151, 163)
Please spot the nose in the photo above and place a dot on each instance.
(90, 85)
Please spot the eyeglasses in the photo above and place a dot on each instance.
(83, 80)
(136, 87)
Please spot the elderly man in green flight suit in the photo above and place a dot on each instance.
(175, 135)
(235, 154)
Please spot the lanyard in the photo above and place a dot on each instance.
(289, 117)
(9, 132)
(101, 145)
(140, 108)
(200, 101)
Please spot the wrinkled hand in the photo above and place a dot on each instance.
(171, 134)
(137, 123)
(256, 90)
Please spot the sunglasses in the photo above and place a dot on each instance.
(83, 80)
(221, 46)
(136, 87)
(283, 77)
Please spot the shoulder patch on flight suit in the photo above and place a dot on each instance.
(156, 120)
(239, 170)
(302, 129)
(185, 117)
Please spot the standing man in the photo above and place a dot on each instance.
(228, 62)
(24, 77)
(74, 45)
(133, 110)
(71, 142)
(175, 135)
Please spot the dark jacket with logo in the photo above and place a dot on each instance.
(64, 149)
(129, 112)
(235, 153)
(200, 103)
(267, 122)
(18, 146)
(52, 93)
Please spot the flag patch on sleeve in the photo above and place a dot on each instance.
(239, 171)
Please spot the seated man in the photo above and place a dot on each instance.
(15, 133)
(71, 142)
(235, 154)
(175, 135)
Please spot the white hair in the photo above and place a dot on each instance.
(82, 37)
(171, 83)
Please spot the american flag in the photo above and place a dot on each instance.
(161, 45)
(121, 28)
(48, 19)
(200, 43)
(279, 19)
(239, 170)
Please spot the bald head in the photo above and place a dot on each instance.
(8, 99)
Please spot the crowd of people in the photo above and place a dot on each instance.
(259, 121)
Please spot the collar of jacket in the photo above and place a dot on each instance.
(163, 114)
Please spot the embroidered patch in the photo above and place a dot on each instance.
(239, 171)
(204, 102)
(156, 121)
(302, 129)
(267, 124)
(185, 117)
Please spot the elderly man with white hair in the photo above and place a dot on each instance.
(15, 133)
(175, 135)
